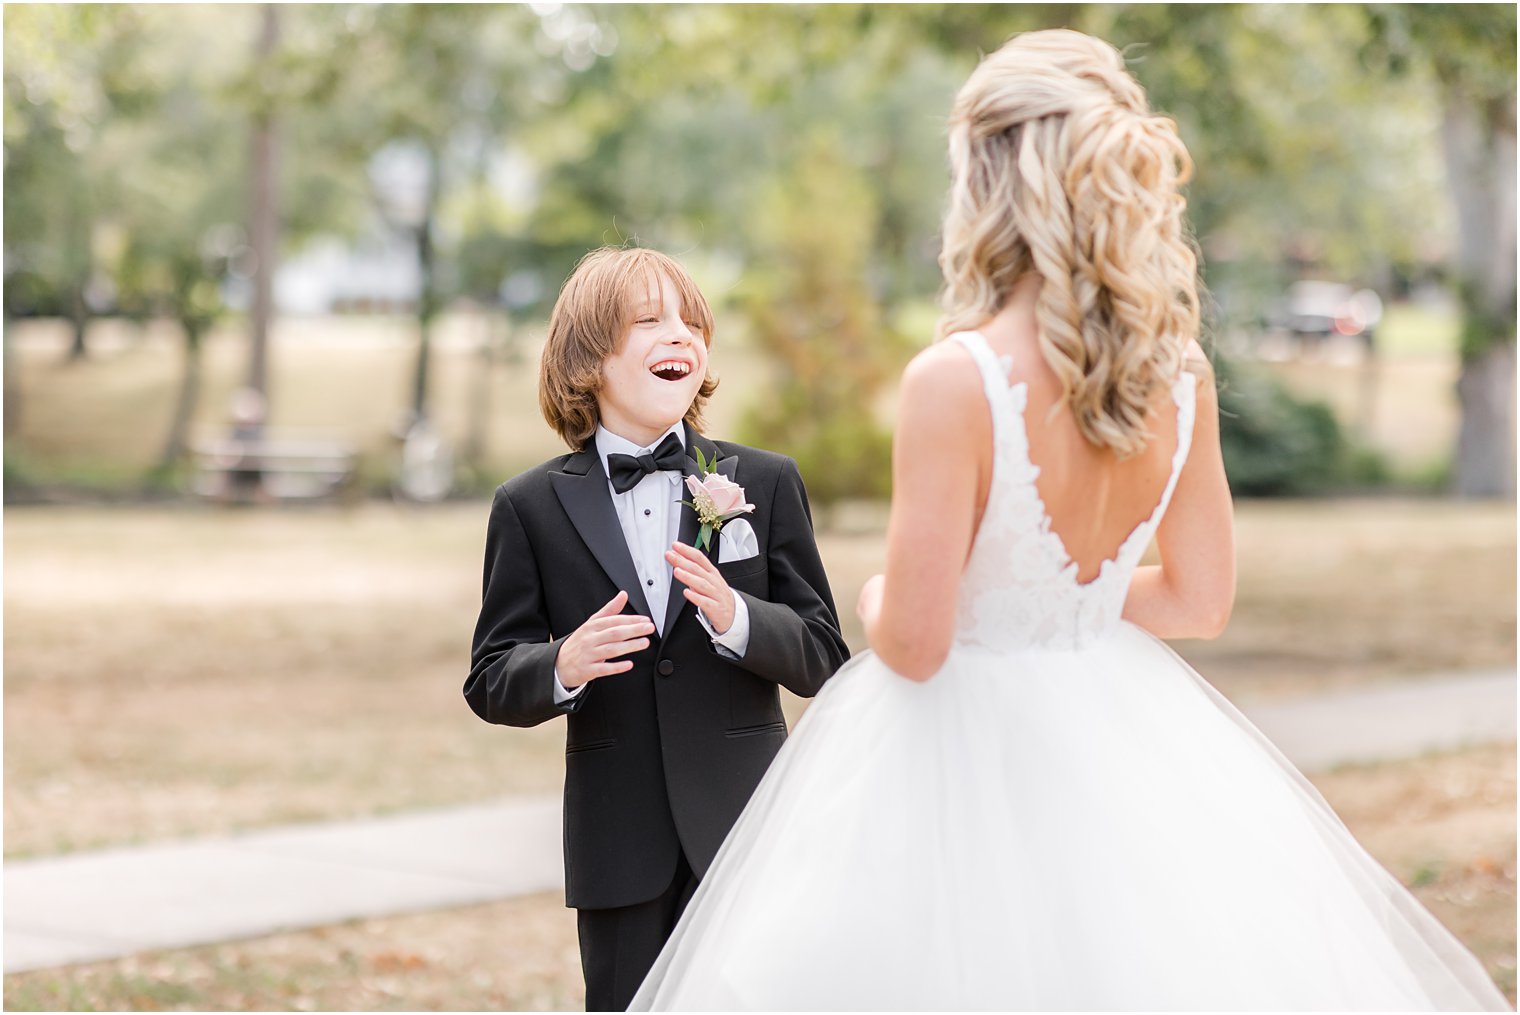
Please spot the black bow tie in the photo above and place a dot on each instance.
(625, 471)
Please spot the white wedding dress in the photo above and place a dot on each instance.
(1066, 816)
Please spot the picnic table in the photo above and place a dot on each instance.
(272, 467)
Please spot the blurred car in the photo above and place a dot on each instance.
(1313, 311)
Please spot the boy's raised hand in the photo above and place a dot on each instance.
(705, 586)
(606, 634)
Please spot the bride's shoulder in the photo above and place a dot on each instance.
(943, 370)
(1197, 364)
(1195, 361)
(941, 391)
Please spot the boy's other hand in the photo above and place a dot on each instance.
(588, 653)
(705, 587)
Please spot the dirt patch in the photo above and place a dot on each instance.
(1445, 825)
(1337, 594)
(519, 955)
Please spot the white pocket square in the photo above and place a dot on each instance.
(736, 541)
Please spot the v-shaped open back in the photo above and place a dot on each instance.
(1021, 585)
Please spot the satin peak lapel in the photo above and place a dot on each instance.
(582, 491)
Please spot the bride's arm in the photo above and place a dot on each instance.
(1190, 593)
(943, 431)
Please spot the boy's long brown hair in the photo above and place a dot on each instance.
(590, 320)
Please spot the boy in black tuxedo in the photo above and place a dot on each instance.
(664, 658)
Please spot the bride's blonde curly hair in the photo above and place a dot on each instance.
(1061, 169)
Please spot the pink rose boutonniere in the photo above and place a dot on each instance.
(715, 498)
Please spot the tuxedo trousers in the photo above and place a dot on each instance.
(618, 946)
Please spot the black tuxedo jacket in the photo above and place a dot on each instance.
(662, 757)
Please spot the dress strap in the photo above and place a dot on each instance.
(994, 375)
(1185, 397)
(1007, 401)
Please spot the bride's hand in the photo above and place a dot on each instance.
(869, 603)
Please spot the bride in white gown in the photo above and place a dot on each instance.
(1022, 799)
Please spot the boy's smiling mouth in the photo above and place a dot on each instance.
(671, 369)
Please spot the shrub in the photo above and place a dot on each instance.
(1276, 444)
(813, 313)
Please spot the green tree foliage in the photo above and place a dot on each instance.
(1301, 155)
(176, 232)
(158, 100)
(810, 307)
(432, 87)
(792, 155)
(1469, 50)
(813, 166)
(73, 75)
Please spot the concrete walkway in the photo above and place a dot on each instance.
(1402, 720)
(89, 906)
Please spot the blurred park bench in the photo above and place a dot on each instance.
(273, 467)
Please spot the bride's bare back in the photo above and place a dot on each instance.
(942, 473)
(1093, 498)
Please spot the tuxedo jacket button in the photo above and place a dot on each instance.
(666, 667)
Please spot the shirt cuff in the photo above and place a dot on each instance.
(560, 694)
(734, 642)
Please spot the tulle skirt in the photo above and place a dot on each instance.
(1092, 830)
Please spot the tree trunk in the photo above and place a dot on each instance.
(1479, 143)
(79, 321)
(79, 266)
(11, 379)
(189, 397)
(1485, 450)
(427, 295)
(264, 215)
(479, 427)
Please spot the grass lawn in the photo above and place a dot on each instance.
(180, 671)
(1445, 825)
(1413, 330)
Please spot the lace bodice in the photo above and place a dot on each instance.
(1020, 587)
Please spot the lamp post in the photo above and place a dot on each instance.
(406, 184)
(404, 176)
(264, 225)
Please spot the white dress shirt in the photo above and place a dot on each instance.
(650, 517)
